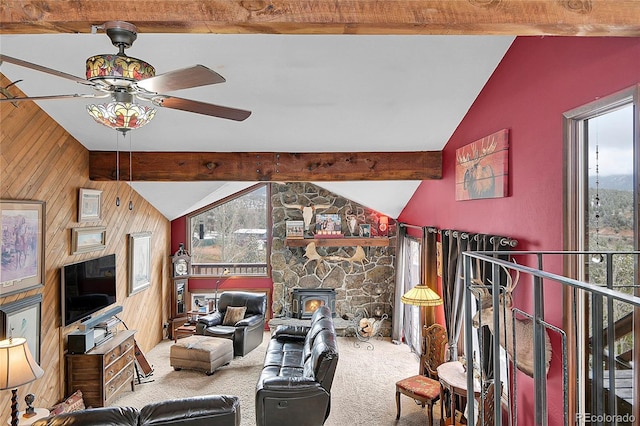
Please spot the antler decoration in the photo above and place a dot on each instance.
(311, 253)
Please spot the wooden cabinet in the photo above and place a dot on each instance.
(103, 371)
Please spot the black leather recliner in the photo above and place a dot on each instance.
(210, 410)
(247, 333)
(294, 388)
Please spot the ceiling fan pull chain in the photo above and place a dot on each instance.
(117, 170)
(130, 175)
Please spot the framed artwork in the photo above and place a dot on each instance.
(295, 229)
(88, 239)
(139, 261)
(22, 319)
(365, 230)
(328, 224)
(22, 266)
(203, 302)
(89, 205)
(482, 168)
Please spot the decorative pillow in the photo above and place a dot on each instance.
(233, 315)
(74, 403)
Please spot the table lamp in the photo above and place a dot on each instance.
(17, 368)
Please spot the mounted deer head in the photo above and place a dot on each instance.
(524, 334)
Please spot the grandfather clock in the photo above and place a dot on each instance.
(181, 269)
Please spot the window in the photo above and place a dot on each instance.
(603, 168)
(232, 236)
(412, 327)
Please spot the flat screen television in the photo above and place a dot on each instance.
(87, 287)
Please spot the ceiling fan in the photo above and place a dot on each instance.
(125, 79)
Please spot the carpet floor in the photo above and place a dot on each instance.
(363, 391)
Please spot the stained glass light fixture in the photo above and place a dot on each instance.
(121, 116)
(116, 72)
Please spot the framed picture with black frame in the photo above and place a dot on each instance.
(22, 318)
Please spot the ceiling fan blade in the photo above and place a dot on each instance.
(52, 97)
(185, 78)
(20, 62)
(201, 108)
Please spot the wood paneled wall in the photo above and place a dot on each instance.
(39, 160)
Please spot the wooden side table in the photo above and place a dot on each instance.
(41, 413)
(194, 315)
(184, 331)
(453, 377)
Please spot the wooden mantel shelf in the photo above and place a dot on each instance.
(338, 242)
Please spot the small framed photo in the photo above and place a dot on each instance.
(89, 205)
(139, 261)
(295, 229)
(22, 319)
(328, 224)
(88, 239)
(365, 230)
(203, 303)
(23, 232)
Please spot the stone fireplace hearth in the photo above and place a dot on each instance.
(360, 287)
(305, 301)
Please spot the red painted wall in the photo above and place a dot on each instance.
(537, 81)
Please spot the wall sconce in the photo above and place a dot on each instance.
(383, 226)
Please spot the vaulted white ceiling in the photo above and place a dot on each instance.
(308, 93)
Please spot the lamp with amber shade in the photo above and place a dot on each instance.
(423, 296)
(17, 368)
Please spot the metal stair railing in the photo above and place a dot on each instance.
(601, 296)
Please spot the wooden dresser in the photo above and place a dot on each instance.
(104, 370)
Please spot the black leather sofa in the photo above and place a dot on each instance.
(294, 387)
(210, 410)
(247, 333)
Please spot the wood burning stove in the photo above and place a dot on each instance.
(306, 300)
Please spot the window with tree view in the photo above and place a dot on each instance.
(230, 237)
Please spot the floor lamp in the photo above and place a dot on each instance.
(225, 274)
(17, 368)
(423, 296)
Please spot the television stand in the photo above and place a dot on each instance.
(102, 372)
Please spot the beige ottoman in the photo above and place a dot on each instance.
(201, 353)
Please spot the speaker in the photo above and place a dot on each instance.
(80, 342)
(92, 322)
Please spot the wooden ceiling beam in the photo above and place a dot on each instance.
(497, 17)
(266, 166)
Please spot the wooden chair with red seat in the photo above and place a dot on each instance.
(421, 388)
